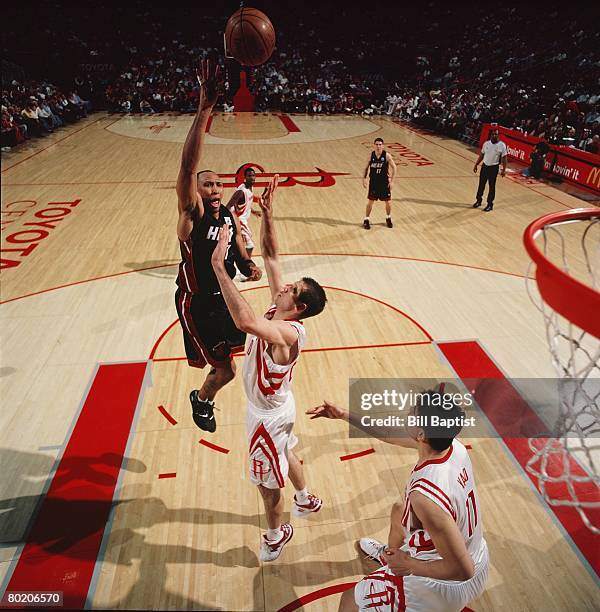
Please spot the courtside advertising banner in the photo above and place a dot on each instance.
(571, 165)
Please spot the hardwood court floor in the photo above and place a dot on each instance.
(98, 288)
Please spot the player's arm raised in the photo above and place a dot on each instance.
(187, 192)
(331, 411)
(274, 332)
(268, 238)
(455, 564)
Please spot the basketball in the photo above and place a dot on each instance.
(249, 37)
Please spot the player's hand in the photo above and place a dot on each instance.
(475, 169)
(211, 83)
(365, 183)
(502, 172)
(400, 562)
(266, 200)
(218, 256)
(255, 274)
(328, 411)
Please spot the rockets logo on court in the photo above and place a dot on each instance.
(320, 178)
(159, 127)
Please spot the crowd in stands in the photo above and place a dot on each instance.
(32, 109)
(458, 73)
(532, 69)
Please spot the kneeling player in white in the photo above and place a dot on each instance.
(275, 343)
(436, 559)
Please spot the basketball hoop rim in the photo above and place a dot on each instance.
(575, 301)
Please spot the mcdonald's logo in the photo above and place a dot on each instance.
(594, 177)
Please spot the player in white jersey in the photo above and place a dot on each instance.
(241, 205)
(275, 343)
(436, 559)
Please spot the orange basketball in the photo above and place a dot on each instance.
(249, 37)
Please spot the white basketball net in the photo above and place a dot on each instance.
(566, 465)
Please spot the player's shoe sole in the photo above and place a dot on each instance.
(269, 551)
(203, 413)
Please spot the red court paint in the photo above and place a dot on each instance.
(153, 351)
(167, 475)
(472, 364)
(167, 416)
(362, 295)
(214, 447)
(64, 541)
(334, 589)
(369, 297)
(368, 451)
(314, 596)
(171, 265)
(289, 124)
(322, 349)
(87, 280)
(363, 346)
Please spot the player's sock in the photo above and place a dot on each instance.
(199, 399)
(273, 534)
(302, 496)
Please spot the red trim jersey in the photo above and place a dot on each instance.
(268, 385)
(449, 483)
(244, 215)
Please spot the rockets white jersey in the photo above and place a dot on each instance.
(268, 385)
(244, 214)
(448, 482)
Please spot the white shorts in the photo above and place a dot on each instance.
(247, 237)
(381, 591)
(270, 435)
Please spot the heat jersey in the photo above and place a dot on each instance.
(378, 170)
(196, 274)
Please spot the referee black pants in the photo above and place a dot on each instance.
(488, 174)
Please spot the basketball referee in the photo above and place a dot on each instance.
(493, 153)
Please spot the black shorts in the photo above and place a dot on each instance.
(379, 192)
(209, 333)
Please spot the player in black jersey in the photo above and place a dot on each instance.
(380, 169)
(209, 334)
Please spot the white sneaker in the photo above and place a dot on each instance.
(303, 510)
(269, 551)
(372, 548)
